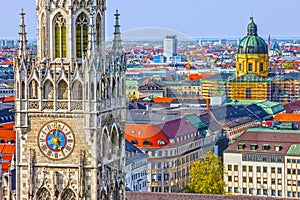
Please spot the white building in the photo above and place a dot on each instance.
(264, 162)
(136, 168)
(170, 47)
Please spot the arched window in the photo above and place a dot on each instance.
(98, 32)
(62, 90)
(114, 141)
(98, 94)
(105, 145)
(146, 143)
(17, 90)
(43, 194)
(103, 91)
(81, 35)
(60, 35)
(23, 90)
(44, 36)
(77, 91)
(108, 89)
(68, 194)
(92, 91)
(33, 89)
(48, 90)
(114, 88)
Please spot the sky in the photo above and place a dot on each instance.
(195, 18)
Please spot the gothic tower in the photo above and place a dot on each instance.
(70, 105)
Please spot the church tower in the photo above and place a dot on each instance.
(70, 106)
(252, 56)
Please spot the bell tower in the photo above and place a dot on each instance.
(70, 105)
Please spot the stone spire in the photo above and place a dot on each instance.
(22, 48)
(92, 41)
(117, 42)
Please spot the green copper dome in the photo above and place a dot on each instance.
(252, 43)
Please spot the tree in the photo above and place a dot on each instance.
(206, 177)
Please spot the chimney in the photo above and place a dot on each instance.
(207, 104)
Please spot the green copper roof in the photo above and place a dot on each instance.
(196, 122)
(132, 83)
(271, 108)
(252, 43)
(294, 150)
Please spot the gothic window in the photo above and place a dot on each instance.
(60, 35)
(23, 90)
(105, 145)
(108, 89)
(33, 89)
(77, 91)
(68, 194)
(103, 92)
(44, 36)
(81, 35)
(114, 88)
(17, 90)
(114, 140)
(62, 90)
(98, 32)
(86, 90)
(48, 90)
(43, 194)
(118, 87)
(98, 91)
(92, 91)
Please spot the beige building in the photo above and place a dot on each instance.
(264, 162)
(69, 106)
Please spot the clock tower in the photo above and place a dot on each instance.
(70, 105)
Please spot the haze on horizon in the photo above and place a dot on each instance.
(194, 18)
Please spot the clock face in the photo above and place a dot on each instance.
(56, 140)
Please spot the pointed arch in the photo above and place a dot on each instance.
(33, 89)
(81, 34)
(48, 90)
(68, 194)
(43, 194)
(98, 31)
(23, 89)
(62, 90)
(103, 90)
(105, 144)
(114, 94)
(17, 90)
(114, 140)
(107, 88)
(60, 36)
(77, 90)
(92, 91)
(98, 93)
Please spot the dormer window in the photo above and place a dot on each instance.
(241, 146)
(253, 146)
(134, 142)
(278, 147)
(146, 143)
(266, 147)
(161, 142)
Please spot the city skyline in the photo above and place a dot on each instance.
(220, 19)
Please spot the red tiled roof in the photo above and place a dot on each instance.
(287, 117)
(7, 151)
(163, 100)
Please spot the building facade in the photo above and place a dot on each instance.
(264, 162)
(170, 47)
(69, 106)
